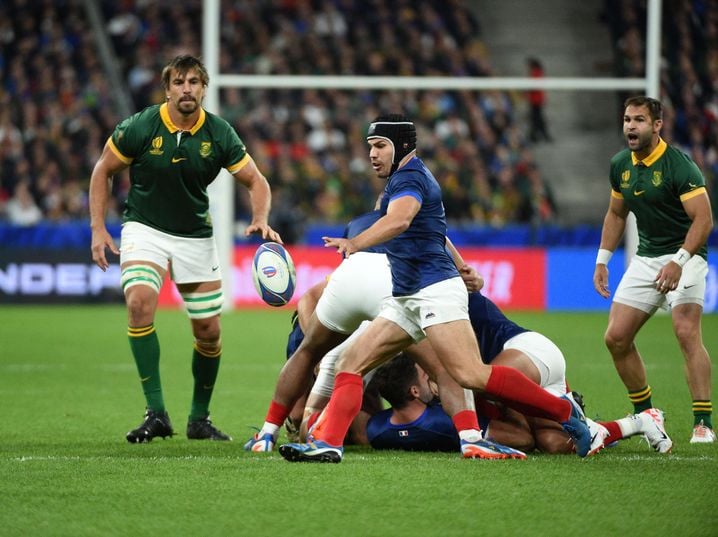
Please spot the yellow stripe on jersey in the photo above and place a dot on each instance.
(693, 193)
(118, 153)
(234, 168)
(616, 195)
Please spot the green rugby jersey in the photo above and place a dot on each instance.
(170, 169)
(654, 189)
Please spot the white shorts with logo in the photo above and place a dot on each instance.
(189, 260)
(356, 291)
(441, 302)
(638, 286)
(547, 358)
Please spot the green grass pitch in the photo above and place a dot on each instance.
(69, 392)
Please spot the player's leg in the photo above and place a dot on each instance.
(687, 327)
(636, 299)
(294, 381)
(143, 261)
(379, 342)
(624, 322)
(203, 302)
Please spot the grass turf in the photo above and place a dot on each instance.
(70, 391)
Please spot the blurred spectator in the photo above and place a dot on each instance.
(538, 129)
(21, 209)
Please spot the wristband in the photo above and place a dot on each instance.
(681, 257)
(603, 257)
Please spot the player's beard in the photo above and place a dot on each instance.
(184, 108)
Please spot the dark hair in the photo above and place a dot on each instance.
(394, 380)
(182, 64)
(655, 108)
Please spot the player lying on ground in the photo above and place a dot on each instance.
(416, 421)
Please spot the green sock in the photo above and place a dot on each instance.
(145, 347)
(702, 411)
(641, 399)
(204, 370)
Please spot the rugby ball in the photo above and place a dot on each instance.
(273, 273)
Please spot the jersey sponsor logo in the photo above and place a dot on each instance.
(205, 149)
(657, 178)
(625, 176)
(689, 286)
(215, 268)
(692, 185)
(638, 192)
(175, 160)
(403, 432)
(157, 142)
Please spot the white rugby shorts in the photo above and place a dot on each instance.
(355, 292)
(638, 286)
(189, 260)
(547, 358)
(441, 302)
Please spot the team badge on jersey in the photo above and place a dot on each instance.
(205, 149)
(657, 178)
(156, 146)
(625, 176)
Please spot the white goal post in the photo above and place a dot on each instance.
(222, 189)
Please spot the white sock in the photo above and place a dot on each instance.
(470, 435)
(269, 428)
(631, 425)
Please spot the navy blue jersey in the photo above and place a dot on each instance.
(359, 224)
(418, 256)
(296, 336)
(493, 329)
(432, 431)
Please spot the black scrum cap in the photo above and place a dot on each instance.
(399, 131)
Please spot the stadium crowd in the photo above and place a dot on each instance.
(57, 108)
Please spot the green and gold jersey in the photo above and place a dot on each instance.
(170, 168)
(653, 190)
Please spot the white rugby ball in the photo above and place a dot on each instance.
(274, 274)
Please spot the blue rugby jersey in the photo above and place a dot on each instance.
(418, 256)
(492, 328)
(361, 223)
(432, 431)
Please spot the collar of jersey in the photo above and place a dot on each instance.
(165, 115)
(653, 157)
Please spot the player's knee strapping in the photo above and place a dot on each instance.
(140, 275)
(203, 305)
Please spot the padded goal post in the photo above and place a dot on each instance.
(222, 190)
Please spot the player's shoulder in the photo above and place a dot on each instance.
(216, 121)
(620, 157)
(143, 117)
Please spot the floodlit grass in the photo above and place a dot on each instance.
(69, 391)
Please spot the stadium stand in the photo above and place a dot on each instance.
(57, 108)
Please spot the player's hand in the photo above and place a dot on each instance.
(668, 277)
(343, 246)
(101, 240)
(263, 229)
(472, 279)
(600, 280)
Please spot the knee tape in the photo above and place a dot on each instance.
(140, 275)
(203, 305)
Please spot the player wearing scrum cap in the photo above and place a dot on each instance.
(429, 300)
